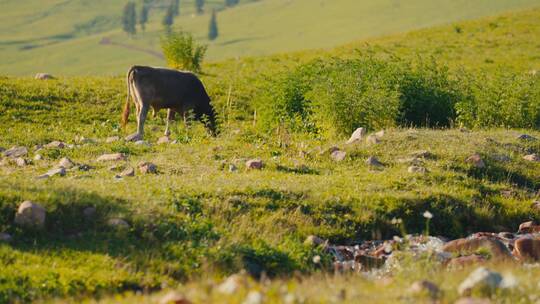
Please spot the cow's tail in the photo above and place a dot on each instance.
(125, 112)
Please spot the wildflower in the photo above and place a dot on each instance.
(396, 221)
(428, 215)
(317, 259)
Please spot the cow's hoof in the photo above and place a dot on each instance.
(134, 137)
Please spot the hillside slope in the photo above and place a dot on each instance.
(73, 43)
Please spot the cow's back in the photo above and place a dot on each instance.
(171, 88)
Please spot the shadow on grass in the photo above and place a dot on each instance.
(500, 174)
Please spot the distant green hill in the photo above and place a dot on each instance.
(84, 37)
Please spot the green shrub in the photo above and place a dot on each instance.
(182, 52)
(501, 100)
(353, 95)
(335, 96)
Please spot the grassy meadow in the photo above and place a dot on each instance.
(196, 221)
(70, 35)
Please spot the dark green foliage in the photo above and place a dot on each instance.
(199, 6)
(176, 7)
(213, 27)
(182, 52)
(335, 96)
(501, 99)
(143, 17)
(129, 18)
(168, 18)
(231, 2)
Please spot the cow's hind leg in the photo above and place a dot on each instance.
(142, 108)
(170, 117)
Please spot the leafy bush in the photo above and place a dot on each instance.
(351, 96)
(182, 52)
(335, 96)
(501, 100)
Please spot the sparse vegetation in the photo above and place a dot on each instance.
(182, 51)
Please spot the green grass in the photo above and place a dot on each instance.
(69, 43)
(196, 221)
(196, 218)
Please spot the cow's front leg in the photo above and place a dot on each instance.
(141, 120)
(170, 117)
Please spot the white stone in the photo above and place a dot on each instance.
(254, 297)
(118, 223)
(338, 155)
(230, 285)
(357, 135)
(482, 279)
(15, 152)
(30, 214)
(66, 163)
(111, 157)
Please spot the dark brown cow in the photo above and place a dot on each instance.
(160, 88)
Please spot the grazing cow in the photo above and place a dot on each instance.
(160, 88)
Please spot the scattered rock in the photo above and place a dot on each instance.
(118, 223)
(338, 155)
(133, 137)
(147, 168)
(55, 144)
(527, 249)
(372, 140)
(465, 261)
(21, 162)
(422, 154)
(482, 280)
(254, 164)
(141, 143)
(38, 157)
(15, 152)
(84, 140)
(230, 285)
(314, 240)
(330, 150)
(356, 136)
(61, 171)
(232, 168)
(368, 262)
(111, 157)
(532, 157)
(476, 160)
(472, 301)
(173, 297)
(66, 163)
(89, 212)
(425, 287)
(163, 140)
(526, 137)
(5, 237)
(528, 227)
(373, 162)
(467, 246)
(43, 76)
(253, 297)
(30, 214)
(112, 139)
(379, 134)
(129, 171)
(417, 169)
